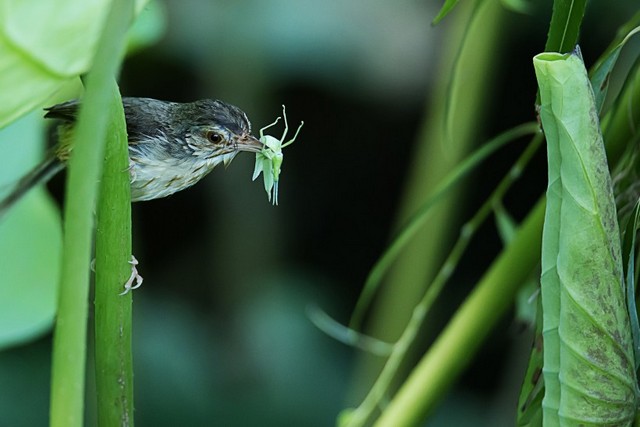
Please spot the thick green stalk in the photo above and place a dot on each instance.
(466, 331)
(69, 347)
(114, 370)
(365, 412)
(447, 135)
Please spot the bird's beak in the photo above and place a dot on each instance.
(248, 143)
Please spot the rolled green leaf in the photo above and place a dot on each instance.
(589, 366)
(550, 282)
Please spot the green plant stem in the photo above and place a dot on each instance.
(400, 350)
(114, 370)
(447, 135)
(417, 221)
(466, 331)
(69, 346)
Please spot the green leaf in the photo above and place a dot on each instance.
(148, 27)
(45, 45)
(584, 299)
(444, 11)
(565, 25)
(603, 68)
(630, 248)
(532, 391)
(525, 306)
(30, 241)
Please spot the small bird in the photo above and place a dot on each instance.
(171, 145)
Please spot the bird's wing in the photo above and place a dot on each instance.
(67, 111)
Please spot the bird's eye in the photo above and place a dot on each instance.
(214, 137)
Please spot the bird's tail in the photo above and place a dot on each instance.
(40, 174)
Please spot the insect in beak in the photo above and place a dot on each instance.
(248, 143)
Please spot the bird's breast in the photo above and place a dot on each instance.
(155, 179)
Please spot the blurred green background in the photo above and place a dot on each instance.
(221, 335)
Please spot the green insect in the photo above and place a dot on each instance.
(269, 160)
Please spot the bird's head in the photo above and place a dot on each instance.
(215, 129)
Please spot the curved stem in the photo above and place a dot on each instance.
(380, 389)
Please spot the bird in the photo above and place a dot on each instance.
(172, 145)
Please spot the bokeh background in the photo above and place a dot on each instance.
(221, 331)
